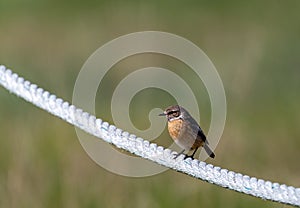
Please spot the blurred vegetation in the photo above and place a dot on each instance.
(253, 44)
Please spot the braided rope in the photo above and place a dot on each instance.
(111, 134)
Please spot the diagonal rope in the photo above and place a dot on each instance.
(111, 134)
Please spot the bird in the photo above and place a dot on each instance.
(185, 131)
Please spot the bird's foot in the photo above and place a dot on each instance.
(178, 154)
(189, 156)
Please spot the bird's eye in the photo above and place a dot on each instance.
(176, 113)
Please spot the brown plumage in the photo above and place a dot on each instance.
(185, 131)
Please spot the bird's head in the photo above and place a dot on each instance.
(172, 112)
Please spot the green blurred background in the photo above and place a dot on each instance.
(254, 45)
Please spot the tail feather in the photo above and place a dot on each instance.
(209, 151)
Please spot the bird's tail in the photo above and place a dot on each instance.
(209, 151)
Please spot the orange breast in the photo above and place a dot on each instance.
(174, 128)
(185, 134)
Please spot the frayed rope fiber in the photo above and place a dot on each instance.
(222, 177)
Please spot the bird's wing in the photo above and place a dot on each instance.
(202, 135)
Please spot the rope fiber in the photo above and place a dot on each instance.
(222, 177)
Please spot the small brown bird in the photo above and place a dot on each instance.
(185, 131)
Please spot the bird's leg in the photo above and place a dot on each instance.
(180, 153)
(192, 155)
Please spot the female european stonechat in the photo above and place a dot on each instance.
(185, 131)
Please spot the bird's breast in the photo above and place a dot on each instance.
(184, 133)
(174, 128)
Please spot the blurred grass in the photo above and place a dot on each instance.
(254, 45)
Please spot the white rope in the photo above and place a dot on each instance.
(109, 133)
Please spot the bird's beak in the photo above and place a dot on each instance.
(162, 114)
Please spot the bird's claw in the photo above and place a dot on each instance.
(185, 156)
(177, 155)
(189, 156)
